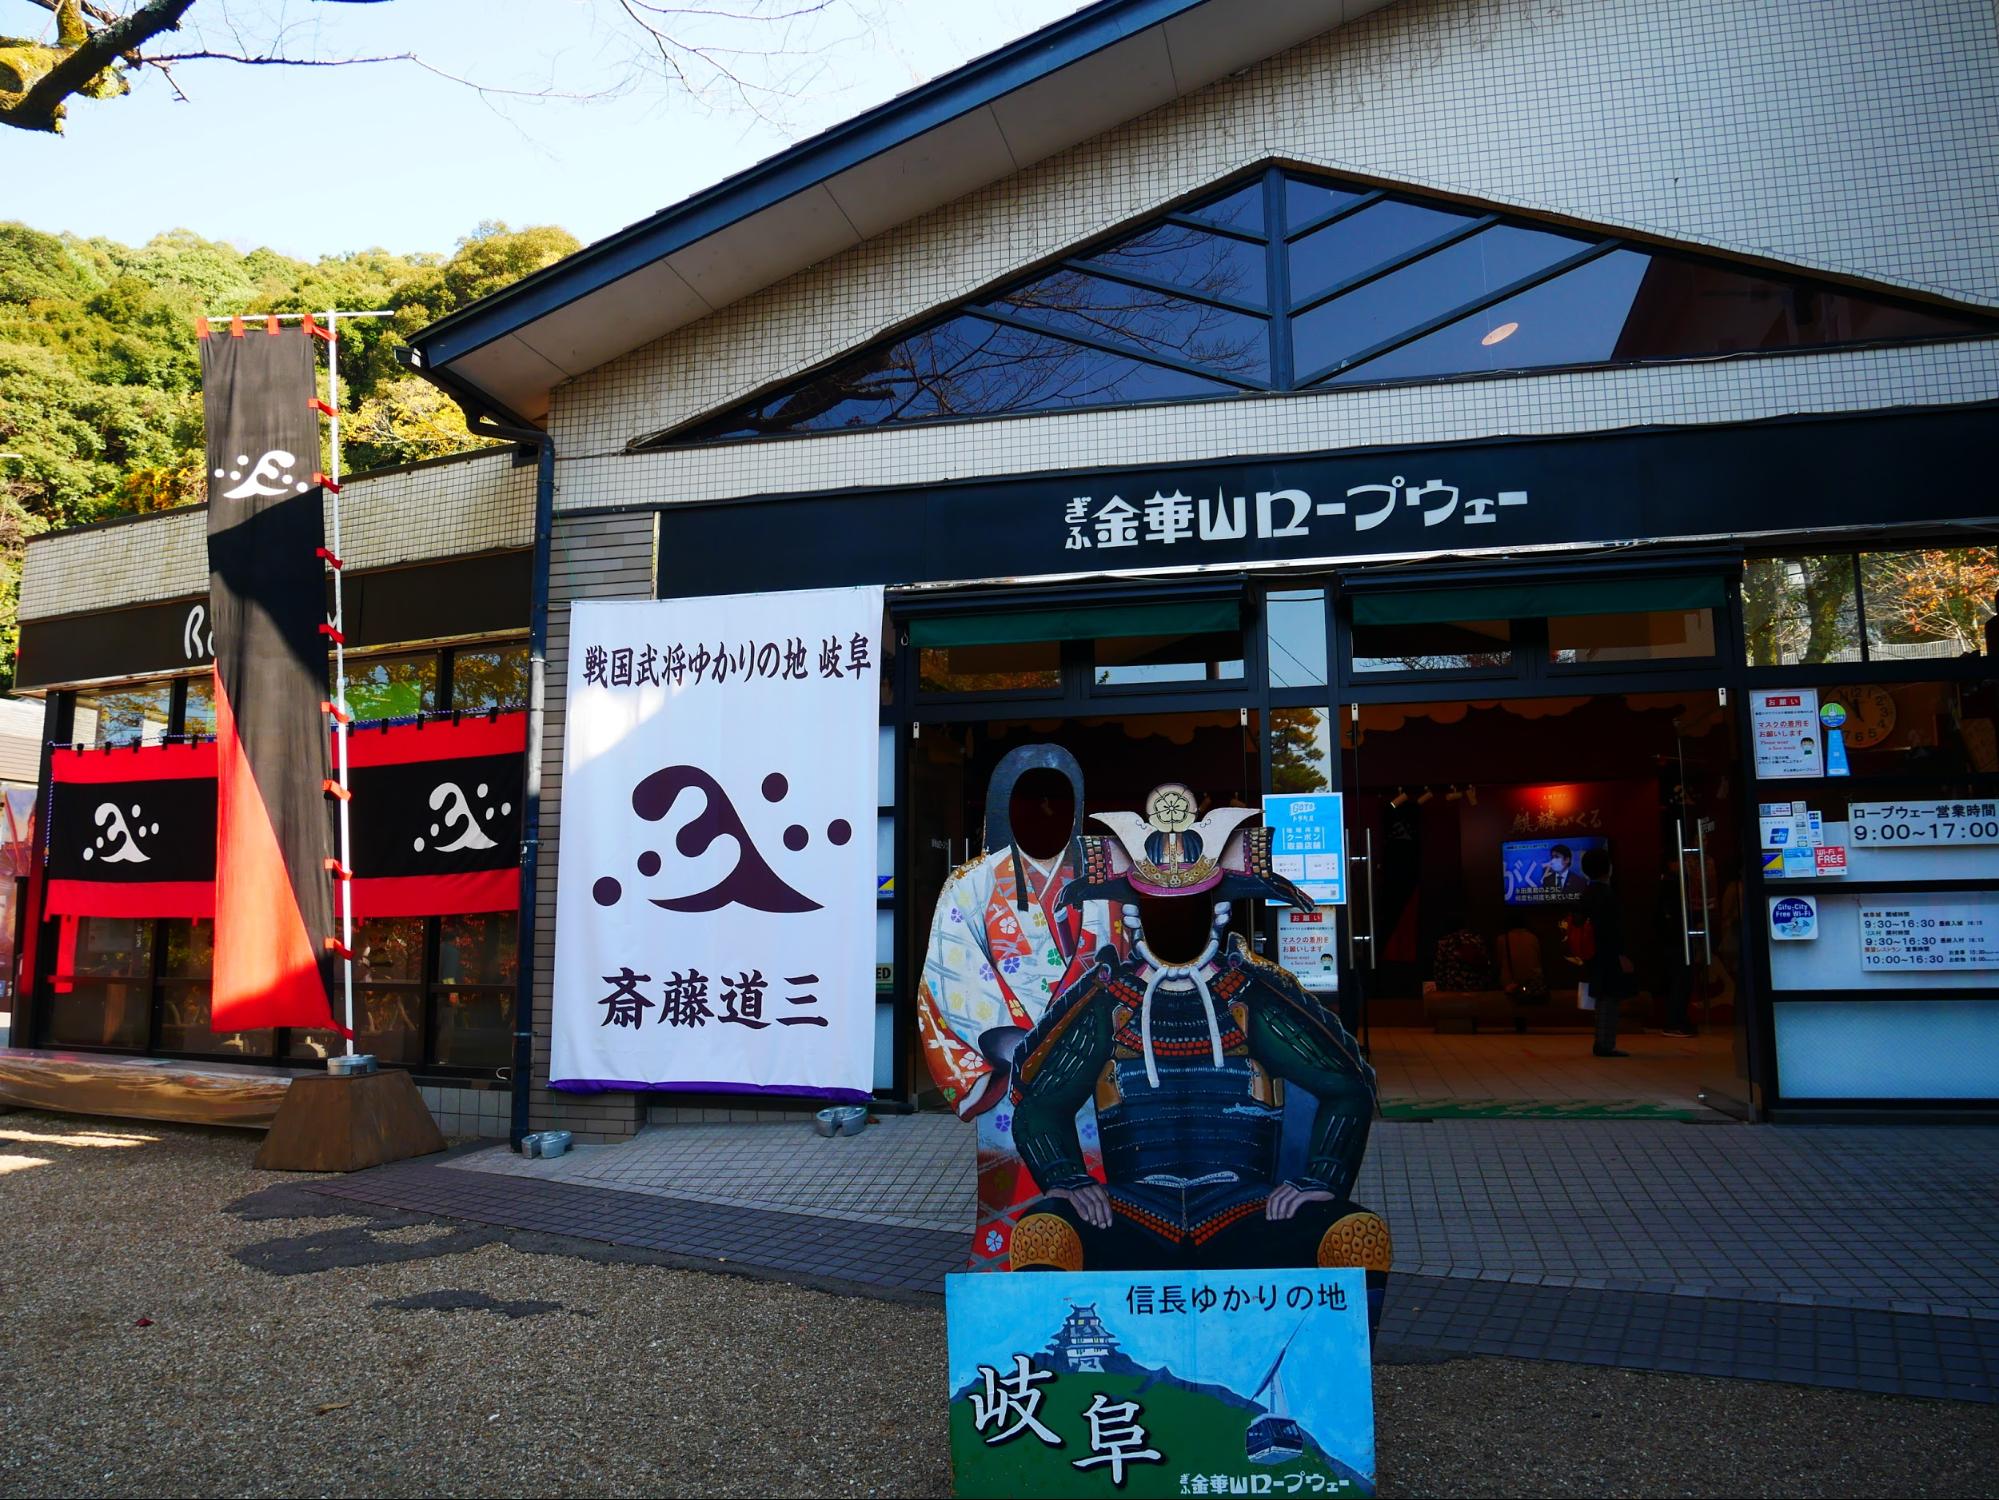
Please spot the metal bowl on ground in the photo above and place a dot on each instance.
(841, 1119)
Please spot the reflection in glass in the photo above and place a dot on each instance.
(1306, 200)
(123, 716)
(1438, 283)
(1798, 611)
(1296, 620)
(1446, 646)
(1144, 322)
(1005, 667)
(1928, 604)
(1379, 233)
(1240, 209)
(103, 998)
(391, 687)
(1651, 635)
(477, 948)
(1126, 659)
(198, 715)
(495, 677)
(1206, 265)
(1301, 750)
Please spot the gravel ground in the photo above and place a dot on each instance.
(557, 1374)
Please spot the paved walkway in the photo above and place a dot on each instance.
(1864, 1257)
(1441, 1075)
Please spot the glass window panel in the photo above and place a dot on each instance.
(1649, 635)
(884, 935)
(1212, 657)
(387, 1022)
(1209, 265)
(885, 768)
(1240, 210)
(113, 946)
(388, 948)
(1436, 284)
(1301, 750)
(490, 677)
(1296, 622)
(1010, 667)
(100, 1013)
(1799, 611)
(184, 1017)
(198, 716)
(1576, 319)
(475, 1027)
(1305, 201)
(1144, 321)
(1380, 232)
(477, 948)
(1928, 604)
(187, 948)
(1928, 732)
(391, 687)
(123, 716)
(964, 367)
(885, 845)
(1453, 646)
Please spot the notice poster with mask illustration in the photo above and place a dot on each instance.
(715, 904)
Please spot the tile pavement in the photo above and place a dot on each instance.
(1858, 1257)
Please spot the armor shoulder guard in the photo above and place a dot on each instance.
(1098, 983)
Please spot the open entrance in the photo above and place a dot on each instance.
(1479, 818)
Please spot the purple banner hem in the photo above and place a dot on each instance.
(775, 1090)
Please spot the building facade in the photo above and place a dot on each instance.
(1516, 418)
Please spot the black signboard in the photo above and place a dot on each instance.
(1794, 477)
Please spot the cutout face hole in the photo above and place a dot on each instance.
(1177, 927)
(1043, 809)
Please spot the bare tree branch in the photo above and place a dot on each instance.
(42, 106)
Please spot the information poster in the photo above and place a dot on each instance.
(1306, 946)
(1785, 722)
(1161, 1383)
(1308, 843)
(1929, 932)
(1902, 825)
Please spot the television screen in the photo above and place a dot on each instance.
(1544, 871)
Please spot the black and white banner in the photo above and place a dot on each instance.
(715, 927)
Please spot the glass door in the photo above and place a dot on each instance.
(1705, 830)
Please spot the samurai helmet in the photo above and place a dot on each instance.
(1167, 851)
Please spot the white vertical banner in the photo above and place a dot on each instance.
(715, 898)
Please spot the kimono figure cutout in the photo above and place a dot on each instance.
(1185, 1049)
(1001, 947)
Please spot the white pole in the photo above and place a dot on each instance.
(340, 717)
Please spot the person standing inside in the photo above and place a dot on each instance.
(1610, 967)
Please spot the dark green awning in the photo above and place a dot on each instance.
(1082, 623)
(1526, 601)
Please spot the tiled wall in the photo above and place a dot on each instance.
(1848, 136)
(482, 502)
(594, 557)
(462, 1111)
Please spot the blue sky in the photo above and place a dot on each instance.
(1327, 1375)
(317, 161)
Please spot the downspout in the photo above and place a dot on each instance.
(480, 418)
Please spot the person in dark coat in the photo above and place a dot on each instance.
(1610, 969)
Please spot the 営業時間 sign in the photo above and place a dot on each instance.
(1892, 825)
(1919, 933)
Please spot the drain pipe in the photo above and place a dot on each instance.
(485, 418)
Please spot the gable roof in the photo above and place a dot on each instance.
(998, 114)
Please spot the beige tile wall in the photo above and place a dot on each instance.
(1848, 136)
(480, 503)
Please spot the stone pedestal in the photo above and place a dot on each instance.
(329, 1124)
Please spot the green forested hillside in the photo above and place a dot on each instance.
(100, 378)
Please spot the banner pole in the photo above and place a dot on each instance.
(340, 681)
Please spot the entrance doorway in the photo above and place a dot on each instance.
(1475, 818)
(1123, 756)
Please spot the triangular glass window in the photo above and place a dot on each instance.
(1289, 281)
